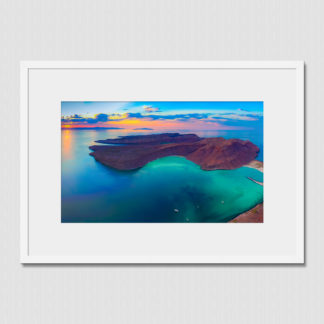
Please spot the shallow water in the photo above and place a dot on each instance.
(170, 189)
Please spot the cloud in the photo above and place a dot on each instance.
(85, 120)
(117, 117)
(247, 117)
(144, 128)
(101, 117)
(180, 117)
(74, 119)
(113, 117)
(150, 108)
(108, 120)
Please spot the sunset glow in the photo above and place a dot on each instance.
(156, 116)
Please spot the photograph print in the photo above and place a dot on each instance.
(162, 162)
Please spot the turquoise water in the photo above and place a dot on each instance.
(170, 189)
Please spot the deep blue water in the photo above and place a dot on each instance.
(171, 189)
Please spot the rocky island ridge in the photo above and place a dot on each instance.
(133, 152)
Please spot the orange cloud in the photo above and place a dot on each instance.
(150, 108)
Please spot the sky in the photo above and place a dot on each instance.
(163, 115)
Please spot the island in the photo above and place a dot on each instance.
(133, 152)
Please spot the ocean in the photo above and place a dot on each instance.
(170, 189)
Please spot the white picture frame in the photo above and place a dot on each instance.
(44, 239)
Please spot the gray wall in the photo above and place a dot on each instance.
(155, 30)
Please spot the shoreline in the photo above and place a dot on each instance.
(253, 215)
(255, 164)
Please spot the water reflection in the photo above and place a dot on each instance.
(67, 138)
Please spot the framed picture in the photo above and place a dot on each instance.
(162, 162)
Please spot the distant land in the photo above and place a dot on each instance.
(153, 139)
(134, 152)
(144, 128)
(86, 128)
